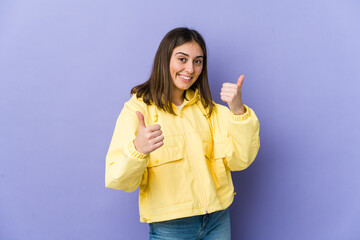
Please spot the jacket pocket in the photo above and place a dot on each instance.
(168, 178)
(216, 158)
(159, 157)
(165, 155)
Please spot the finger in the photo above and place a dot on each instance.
(156, 133)
(141, 119)
(228, 94)
(158, 139)
(229, 90)
(151, 135)
(158, 145)
(240, 80)
(230, 85)
(154, 127)
(225, 98)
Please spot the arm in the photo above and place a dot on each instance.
(243, 142)
(242, 128)
(125, 166)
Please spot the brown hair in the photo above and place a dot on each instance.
(158, 88)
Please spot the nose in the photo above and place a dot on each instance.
(189, 67)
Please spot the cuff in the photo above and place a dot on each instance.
(135, 153)
(242, 117)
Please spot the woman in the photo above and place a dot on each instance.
(174, 143)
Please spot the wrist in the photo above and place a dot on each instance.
(239, 111)
(136, 148)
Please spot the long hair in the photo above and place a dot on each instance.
(158, 89)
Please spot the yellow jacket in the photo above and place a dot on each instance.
(190, 174)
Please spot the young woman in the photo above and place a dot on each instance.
(179, 147)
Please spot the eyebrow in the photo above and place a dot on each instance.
(188, 55)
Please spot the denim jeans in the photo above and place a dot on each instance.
(210, 226)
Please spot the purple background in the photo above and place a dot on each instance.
(66, 69)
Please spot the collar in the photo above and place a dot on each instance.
(191, 97)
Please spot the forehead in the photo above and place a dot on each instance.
(193, 49)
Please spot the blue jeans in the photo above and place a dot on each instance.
(210, 226)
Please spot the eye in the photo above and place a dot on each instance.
(181, 59)
(198, 61)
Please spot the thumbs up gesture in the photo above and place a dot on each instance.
(231, 93)
(148, 139)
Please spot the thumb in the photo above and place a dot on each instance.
(141, 120)
(240, 80)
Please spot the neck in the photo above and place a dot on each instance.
(178, 97)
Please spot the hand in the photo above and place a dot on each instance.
(231, 93)
(148, 139)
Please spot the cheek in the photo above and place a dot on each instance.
(174, 68)
(199, 70)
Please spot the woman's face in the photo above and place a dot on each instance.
(186, 64)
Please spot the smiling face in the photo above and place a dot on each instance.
(186, 64)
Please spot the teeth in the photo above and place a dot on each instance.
(187, 78)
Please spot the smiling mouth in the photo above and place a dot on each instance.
(185, 78)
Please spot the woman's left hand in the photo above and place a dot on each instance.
(231, 93)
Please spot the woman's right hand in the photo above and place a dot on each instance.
(148, 139)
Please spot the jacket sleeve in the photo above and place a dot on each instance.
(125, 166)
(242, 138)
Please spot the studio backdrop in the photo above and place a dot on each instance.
(67, 67)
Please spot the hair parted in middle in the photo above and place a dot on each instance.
(158, 89)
